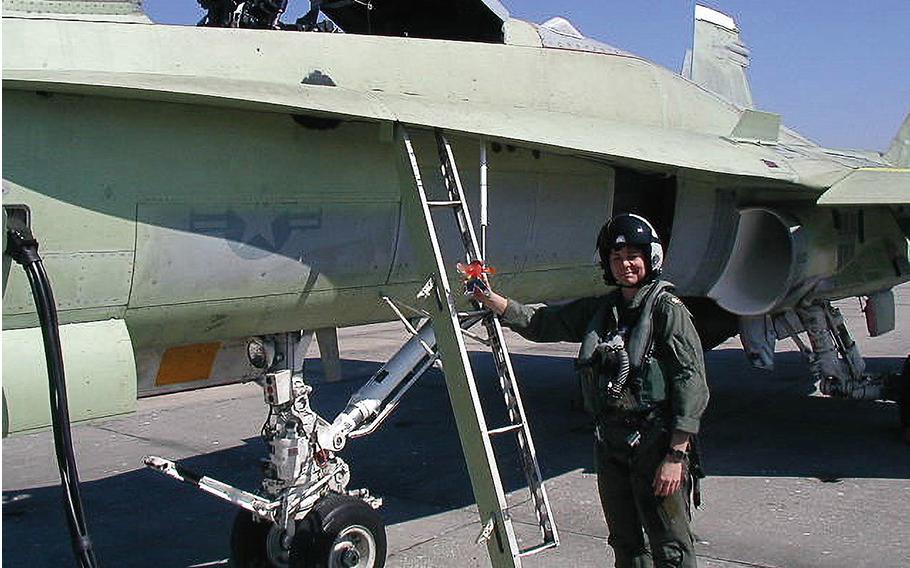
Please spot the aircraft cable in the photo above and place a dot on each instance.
(23, 248)
(265, 425)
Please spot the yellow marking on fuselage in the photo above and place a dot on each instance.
(187, 363)
(892, 170)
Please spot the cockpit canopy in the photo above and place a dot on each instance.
(460, 20)
(463, 20)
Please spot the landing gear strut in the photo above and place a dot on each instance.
(303, 514)
(836, 363)
(834, 358)
(301, 478)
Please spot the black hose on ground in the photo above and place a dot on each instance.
(23, 248)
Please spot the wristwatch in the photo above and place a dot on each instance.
(677, 456)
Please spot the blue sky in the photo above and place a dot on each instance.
(837, 70)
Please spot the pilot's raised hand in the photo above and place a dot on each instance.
(477, 286)
(489, 299)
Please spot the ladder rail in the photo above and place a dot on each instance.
(476, 438)
(483, 470)
(528, 452)
(456, 193)
(505, 371)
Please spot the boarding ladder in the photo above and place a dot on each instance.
(476, 437)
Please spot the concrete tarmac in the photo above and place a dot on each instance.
(794, 480)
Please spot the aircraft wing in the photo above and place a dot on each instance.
(870, 186)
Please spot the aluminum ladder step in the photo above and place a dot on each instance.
(505, 429)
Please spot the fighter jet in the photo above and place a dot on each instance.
(203, 194)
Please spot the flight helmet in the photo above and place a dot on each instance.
(628, 229)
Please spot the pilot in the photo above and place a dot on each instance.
(642, 375)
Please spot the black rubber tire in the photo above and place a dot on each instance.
(332, 516)
(248, 542)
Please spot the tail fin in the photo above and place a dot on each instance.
(899, 152)
(718, 59)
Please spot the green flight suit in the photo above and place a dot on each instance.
(645, 530)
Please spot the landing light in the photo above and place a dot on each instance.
(260, 352)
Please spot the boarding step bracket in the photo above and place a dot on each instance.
(476, 437)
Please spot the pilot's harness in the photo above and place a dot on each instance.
(606, 365)
(610, 372)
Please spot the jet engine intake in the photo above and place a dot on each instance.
(766, 261)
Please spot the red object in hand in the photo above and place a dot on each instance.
(474, 270)
(474, 277)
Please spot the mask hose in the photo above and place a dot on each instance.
(23, 248)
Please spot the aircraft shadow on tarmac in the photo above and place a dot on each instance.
(758, 424)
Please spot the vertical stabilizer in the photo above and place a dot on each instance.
(718, 59)
(899, 152)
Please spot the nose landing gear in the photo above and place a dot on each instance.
(340, 531)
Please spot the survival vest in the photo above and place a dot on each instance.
(610, 367)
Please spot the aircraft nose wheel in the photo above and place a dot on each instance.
(257, 544)
(355, 547)
(340, 532)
